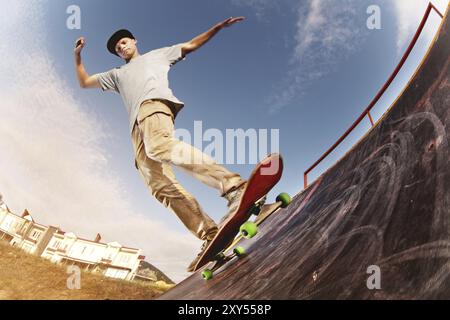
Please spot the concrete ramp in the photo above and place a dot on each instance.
(382, 210)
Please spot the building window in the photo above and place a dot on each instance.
(8, 224)
(35, 235)
(125, 258)
(56, 244)
(22, 231)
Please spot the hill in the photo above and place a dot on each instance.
(149, 271)
(28, 277)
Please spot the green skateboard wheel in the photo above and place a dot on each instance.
(207, 274)
(249, 230)
(239, 251)
(284, 198)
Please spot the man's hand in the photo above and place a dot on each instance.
(84, 79)
(200, 40)
(79, 45)
(230, 21)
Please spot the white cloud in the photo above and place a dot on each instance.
(326, 33)
(329, 31)
(259, 6)
(51, 156)
(409, 14)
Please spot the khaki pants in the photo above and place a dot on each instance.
(156, 151)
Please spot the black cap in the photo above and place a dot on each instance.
(122, 33)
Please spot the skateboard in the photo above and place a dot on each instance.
(263, 178)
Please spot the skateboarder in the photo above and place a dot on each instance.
(152, 108)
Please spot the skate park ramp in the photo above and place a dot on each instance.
(376, 225)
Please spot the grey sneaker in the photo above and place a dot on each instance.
(233, 197)
(205, 245)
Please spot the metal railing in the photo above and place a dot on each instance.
(366, 112)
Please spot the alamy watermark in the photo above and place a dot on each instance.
(374, 280)
(235, 146)
(74, 19)
(74, 280)
(374, 20)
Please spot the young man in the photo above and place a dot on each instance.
(143, 84)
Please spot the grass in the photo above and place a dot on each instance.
(28, 277)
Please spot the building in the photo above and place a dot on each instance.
(111, 259)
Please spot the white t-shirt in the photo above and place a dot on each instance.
(144, 77)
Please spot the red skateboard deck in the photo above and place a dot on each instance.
(263, 178)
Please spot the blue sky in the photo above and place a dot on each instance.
(307, 68)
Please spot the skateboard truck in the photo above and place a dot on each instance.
(220, 260)
(256, 208)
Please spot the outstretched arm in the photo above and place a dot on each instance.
(84, 79)
(200, 40)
